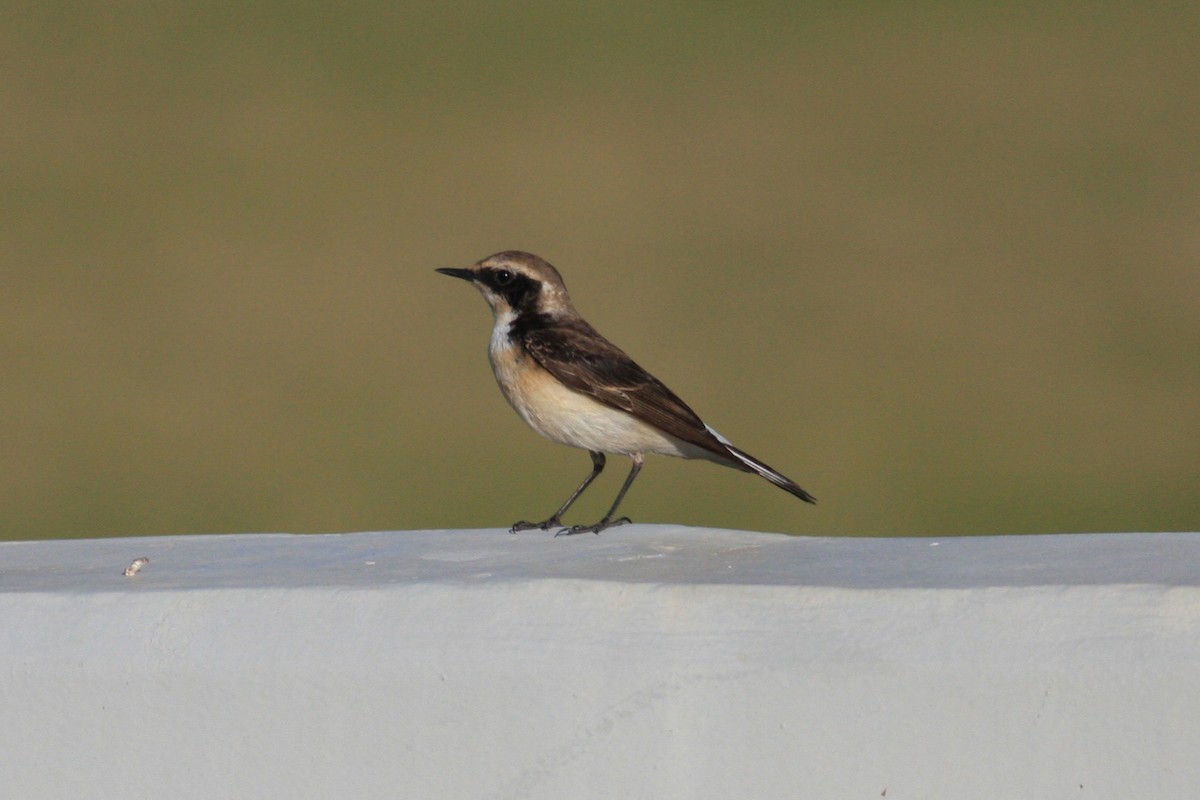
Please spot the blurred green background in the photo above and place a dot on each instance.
(940, 263)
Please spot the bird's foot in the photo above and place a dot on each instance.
(544, 525)
(599, 526)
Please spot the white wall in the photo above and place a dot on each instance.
(647, 662)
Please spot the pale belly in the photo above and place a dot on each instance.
(572, 418)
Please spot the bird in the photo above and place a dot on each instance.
(575, 387)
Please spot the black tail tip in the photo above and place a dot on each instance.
(792, 488)
(805, 496)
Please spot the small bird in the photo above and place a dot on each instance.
(575, 387)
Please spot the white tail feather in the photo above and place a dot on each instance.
(754, 465)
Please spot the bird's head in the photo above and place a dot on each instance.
(514, 282)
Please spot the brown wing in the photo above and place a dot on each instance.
(584, 360)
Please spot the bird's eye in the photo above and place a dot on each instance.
(503, 277)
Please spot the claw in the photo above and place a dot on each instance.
(603, 524)
(544, 525)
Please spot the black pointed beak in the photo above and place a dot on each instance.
(465, 274)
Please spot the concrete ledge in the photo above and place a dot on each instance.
(651, 661)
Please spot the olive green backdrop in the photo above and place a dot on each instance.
(940, 263)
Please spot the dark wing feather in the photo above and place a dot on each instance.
(584, 360)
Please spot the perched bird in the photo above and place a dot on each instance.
(575, 387)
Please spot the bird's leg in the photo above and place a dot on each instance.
(608, 521)
(556, 520)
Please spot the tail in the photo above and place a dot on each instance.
(749, 463)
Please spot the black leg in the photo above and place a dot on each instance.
(608, 521)
(556, 520)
